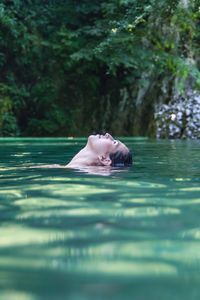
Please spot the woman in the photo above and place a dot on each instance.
(102, 150)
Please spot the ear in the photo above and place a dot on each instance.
(105, 160)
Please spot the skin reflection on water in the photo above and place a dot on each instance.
(74, 234)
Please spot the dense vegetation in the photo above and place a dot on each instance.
(71, 67)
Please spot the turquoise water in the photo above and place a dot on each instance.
(86, 234)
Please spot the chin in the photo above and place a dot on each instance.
(92, 140)
(93, 136)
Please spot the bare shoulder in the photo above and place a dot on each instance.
(54, 166)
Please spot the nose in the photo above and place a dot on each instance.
(108, 135)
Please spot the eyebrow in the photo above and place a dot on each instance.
(118, 144)
(122, 145)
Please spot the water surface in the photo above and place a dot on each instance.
(122, 234)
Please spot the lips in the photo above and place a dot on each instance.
(106, 135)
(100, 136)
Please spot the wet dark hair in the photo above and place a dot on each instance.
(121, 159)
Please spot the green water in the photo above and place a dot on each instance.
(77, 235)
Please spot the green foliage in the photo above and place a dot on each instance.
(71, 67)
(8, 124)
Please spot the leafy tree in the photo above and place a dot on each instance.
(71, 67)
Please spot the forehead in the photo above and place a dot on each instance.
(121, 147)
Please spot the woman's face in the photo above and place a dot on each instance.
(105, 144)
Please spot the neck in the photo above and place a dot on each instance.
(85, 157)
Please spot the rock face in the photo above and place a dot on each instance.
(180, 118)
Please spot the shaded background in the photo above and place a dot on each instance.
(71, 67)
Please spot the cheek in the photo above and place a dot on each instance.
(103, 146)
(107, 146)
